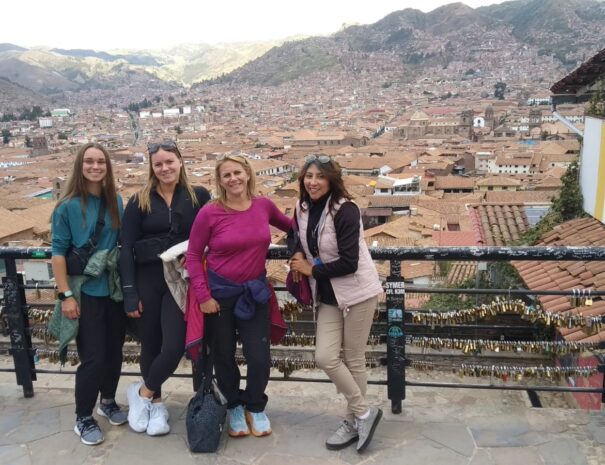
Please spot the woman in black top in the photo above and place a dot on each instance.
(161, 213)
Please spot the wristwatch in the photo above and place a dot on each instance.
(65, 295)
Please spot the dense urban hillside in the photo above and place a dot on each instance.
(404, 43)
(567, 30)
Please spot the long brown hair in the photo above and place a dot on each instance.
(221, 193)
(76, 185)
(144, 195)
(332, 172)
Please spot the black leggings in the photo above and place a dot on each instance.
(254, 335)
(161, 328)
(100, 339)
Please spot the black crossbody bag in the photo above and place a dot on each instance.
(147, 251)
(76, 258)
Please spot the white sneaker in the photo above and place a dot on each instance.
(158, 420)
(138, 408)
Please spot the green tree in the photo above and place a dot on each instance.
(567, 206)
(596, 106)
(178, 130)
(6, 136)
(31, 114)
(500, 88)
(447, 302)
(62, 136)
(28, 142)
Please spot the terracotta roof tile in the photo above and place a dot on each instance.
(596, 267)
(565, 275)
(518, 197)
(390, 200)
(500, 224)
(599, 337)
(455, 238)
(461, 271)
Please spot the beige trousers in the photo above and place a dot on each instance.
(350, 333)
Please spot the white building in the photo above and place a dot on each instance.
(171, 112)
(393, 186)
(546, 100)
(45, 123)
(478, 122)
(58, 112)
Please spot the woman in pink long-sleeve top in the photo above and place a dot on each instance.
(232, 235)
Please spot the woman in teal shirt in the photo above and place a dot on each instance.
(102, 322)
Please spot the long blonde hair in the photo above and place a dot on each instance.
(144, 195)
(76, 185)
(221, 193)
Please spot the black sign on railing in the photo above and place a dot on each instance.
(395, 302)
(18, 327)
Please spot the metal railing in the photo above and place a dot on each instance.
(394, 324)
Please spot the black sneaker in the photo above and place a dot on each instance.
(89, 431)
(366, 428)
(113, 413)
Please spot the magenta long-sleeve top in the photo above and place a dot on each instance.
(237, 242)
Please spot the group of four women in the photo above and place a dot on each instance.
(228, 242)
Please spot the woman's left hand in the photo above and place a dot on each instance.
(299, 263)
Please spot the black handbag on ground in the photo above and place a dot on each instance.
(148, 250)
(207, 410)
(76, 258)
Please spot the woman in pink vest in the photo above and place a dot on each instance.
(345, 288)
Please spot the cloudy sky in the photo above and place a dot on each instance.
(152, 24)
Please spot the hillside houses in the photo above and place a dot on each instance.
(462, 171)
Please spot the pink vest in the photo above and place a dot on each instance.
(352, 288)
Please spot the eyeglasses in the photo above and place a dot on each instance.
(166, 145)
(320, 158)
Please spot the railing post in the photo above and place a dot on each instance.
(18, 328)
(601, 369)
(395, 303)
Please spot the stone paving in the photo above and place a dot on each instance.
(437, 426)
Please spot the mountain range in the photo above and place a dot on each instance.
(567, 30)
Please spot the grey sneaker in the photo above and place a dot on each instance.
(113, 413)
(345, 435)
(365, 428)
(89, 431)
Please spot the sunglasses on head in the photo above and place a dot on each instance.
(236, 158)
(166, 145)
(320, 158)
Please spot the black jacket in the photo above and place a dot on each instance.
(137, 225)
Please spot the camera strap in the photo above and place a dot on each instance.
(99, 226)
